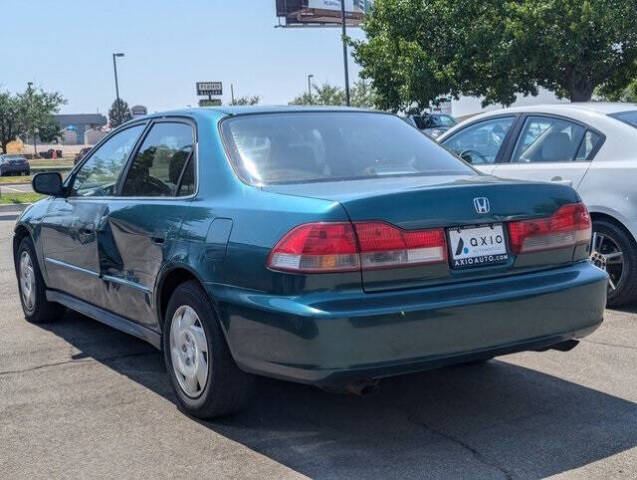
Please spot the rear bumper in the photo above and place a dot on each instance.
(331, 338)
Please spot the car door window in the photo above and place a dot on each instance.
(163, 166)
(589, 146)
(98, 176)
(548, 139)
(480, 144)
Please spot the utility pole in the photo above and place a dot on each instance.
(232, 93)
(343, 21)
(309, 86)
(119, 113)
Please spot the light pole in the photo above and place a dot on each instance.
(309, 86)
(115, 55)
(30, 109)
(343, 20)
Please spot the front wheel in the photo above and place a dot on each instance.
(203, 373)
(614, 251)
(37, 309)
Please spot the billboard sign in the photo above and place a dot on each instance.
(209, 88)
(321, 12)
(139, 111)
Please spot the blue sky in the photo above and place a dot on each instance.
(66, 45)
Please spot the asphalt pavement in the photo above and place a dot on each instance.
(81, 400)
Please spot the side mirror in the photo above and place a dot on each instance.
(48, 183)
(467, 157)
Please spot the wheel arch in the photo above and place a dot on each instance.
(20, 232)
(169, 279)
(597, 215)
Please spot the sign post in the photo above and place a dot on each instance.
(208, 89)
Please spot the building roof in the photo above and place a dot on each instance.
(81, 119)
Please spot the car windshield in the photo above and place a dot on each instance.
(627, 117)
(434, 121)
(306, 147)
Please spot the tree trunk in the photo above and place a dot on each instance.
(4, 148)
(581, 95)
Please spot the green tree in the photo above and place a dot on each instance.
(37, 109)
(419, 50)
(119, 113)
(11, 119)
(363, 95)
(325, 94)
(253, 100)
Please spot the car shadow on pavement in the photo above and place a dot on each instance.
(495, 420)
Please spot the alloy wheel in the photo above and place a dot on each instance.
(189, 351)
(606, 254)
(27, 281)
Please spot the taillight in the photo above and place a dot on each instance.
(382, 245)
(316, 248)
(343, 247)
(569, 226)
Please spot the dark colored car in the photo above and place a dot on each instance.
(327, 247)
(432, 124)
(14, 165)
(81, 154)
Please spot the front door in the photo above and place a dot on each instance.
(69, 229)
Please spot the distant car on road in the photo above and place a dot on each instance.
(14, 165)
(81, 154)
(432, 124)
(331, 247)
(589, 146)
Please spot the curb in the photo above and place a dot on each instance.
(14, 207)
(11, 184)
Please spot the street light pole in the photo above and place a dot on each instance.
(345, 62)
(115, 55)
(309, 86)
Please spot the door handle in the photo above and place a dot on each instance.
(158, 240)
(561, 181)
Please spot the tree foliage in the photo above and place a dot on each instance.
(419, 50)
(28, 114)
(119, 113)
(252, 100)
(362, 95)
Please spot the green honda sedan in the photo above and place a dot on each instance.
(330, 247)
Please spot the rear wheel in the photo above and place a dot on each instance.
(615, 252)
(37, 309)
(203, 374)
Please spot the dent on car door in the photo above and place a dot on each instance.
(69, 228)
(138, 231)
(481, 143)
(551, 149)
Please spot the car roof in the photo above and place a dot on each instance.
(604, 108)
(220, 112)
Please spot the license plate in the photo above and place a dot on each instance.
(477, 246)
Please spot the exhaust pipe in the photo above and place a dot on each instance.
(363, 388)
(565, 346)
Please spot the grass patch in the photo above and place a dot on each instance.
(7, 180)
(52, 162)
(11, 198)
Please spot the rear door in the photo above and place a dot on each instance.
(551, 149)
(137, 231)
(482, 144)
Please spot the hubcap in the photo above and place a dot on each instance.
(27, 282)
(606, 254)
(189, 351)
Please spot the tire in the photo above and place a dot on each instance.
(625, 290)
(226, 388)
(37, 309)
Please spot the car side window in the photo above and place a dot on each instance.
(589, 146)
(548, 139)
(480, 144)
(98, 176)
(163, 166)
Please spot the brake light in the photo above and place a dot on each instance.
(343, 247)
(569, 226)
(317, 248)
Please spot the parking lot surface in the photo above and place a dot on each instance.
(81, 400)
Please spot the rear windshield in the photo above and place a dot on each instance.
(303, 147)
(627, 117)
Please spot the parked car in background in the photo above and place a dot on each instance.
(331, 247)
(432, 124)
(81, 154)
(14, 165)
(589, 146)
